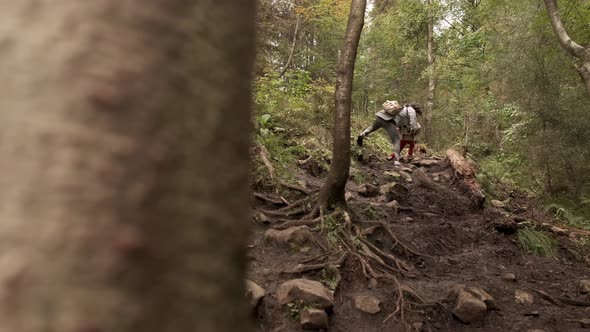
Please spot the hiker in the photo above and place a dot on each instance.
(392, 118)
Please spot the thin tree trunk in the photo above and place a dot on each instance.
(332, 192)
(574, 49)
(124, 185)
(290, 59)
(431, 75)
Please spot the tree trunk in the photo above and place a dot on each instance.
(124, 185)
(292, 50)
(431, 76)
(574, 49)
(332, 193)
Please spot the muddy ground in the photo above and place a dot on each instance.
(457, 243)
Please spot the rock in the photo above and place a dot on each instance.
(497, 204)
(558, 231)
(394, 191)
(373, 283)
(585, 323)
(523, 297)
(436, 178)
(393, 204)
(509, 276)
(314, 319)
(406, 169)
(366, 303)
(392, 175)
(418, 326)
(468, 308)
(368, 190)
(584, 286)
(426, 162)
(407, 219)
(430, 215)
(297, 235)
(254, 293)
(262, 218)
(348, 196)
(532, 314)
(407, 177)
(308, 292)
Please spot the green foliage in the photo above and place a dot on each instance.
(330, 277)
(536, 243)
(575, 214)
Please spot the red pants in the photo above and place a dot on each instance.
(410, 144)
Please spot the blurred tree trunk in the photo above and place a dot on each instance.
(580, 52)
(124, 181)
(332, 192)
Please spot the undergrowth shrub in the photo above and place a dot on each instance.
(536, 243)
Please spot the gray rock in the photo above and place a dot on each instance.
(522, 297)
(509, 276)
(296, 235)
(468, 308)
(366, 303)
(584, 286)
(314, 319)
(308, 292)
(254, 293)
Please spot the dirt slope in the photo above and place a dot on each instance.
(456, 243)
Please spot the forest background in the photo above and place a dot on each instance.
(491, 75)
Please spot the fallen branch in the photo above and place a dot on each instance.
(560, 301)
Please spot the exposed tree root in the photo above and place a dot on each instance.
(560, 301)
(263, 154)
(296, 188)
(301, 268)
(273, 200)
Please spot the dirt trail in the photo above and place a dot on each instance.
(460, 245)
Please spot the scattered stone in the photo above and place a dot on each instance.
(394, 191)
(509, 276)
(585, 323)
(373, 283)
(309, 292)
(407, 219)
(393, 204)
(366, 303)
(426, 162)
(497, 204)
(430, 215)
(436, 178)
(559, 231)
(262, 218)
(392, 175)
(468, 308)
(368, 190)
(254, 293)
(297, 235)
(532, 314)
(348, 196)
(584, 286)
(304, 250)
(406, 169)
(314, 319)
(523, 297)
(519, 209)
(418, 326)
(407, 177)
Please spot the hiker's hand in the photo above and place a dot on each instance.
(359, 140)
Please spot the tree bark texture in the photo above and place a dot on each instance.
(124, 181)
(574, 49)
(332, 192)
